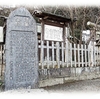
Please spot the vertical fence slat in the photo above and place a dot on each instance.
(82, 54)
(48, 54)
(42, 46)
(57, 54)
(42, 54)
(78, 56)
(0, 62)
(66, 53)
(75, 54)
(71, 54)
(85, 57)
(53, 53)
(96, 56)
(88, 56)
(62, 46)
(92, 57)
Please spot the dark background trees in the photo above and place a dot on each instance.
(83, 14)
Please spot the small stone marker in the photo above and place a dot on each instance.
(21, 51)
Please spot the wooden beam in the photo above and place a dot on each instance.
(53, 23)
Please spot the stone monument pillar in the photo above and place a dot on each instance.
(21, 69)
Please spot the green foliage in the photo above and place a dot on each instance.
(77, 33)
(1, 83)
(1, 22)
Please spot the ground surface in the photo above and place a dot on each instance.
(79, 86)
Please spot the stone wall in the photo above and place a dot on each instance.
(76, 74)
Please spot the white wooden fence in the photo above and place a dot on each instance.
(60, 54)
(55, 58)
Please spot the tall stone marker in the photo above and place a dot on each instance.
(21, 51)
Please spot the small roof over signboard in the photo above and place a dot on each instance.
(52, 17)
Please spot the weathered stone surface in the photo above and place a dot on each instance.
(53, 73)
(21, 51)
(65, 71)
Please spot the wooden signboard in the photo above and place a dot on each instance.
(53, 33)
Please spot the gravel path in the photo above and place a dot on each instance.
(25, 91)
(79, 86)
